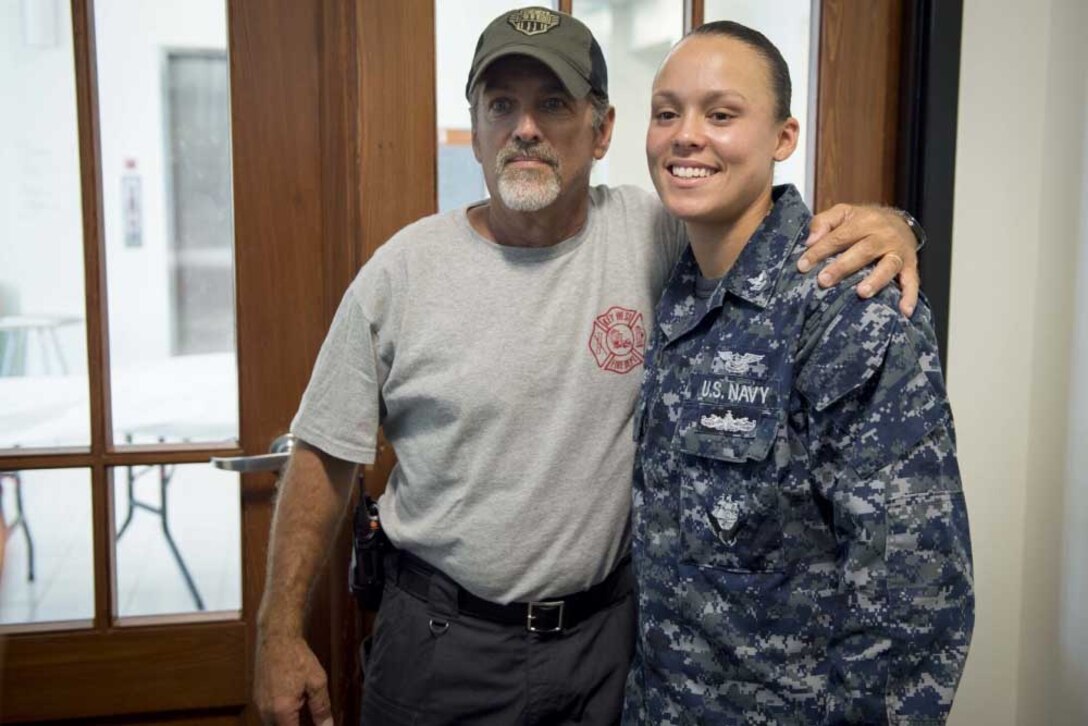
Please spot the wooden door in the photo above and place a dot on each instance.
(294, 126)
(858, 146)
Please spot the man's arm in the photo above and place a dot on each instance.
(864, 234)
(313, 496)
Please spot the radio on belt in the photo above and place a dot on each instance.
(367, 576)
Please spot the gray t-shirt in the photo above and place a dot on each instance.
(505, 378)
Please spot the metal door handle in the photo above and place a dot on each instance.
(279, 453)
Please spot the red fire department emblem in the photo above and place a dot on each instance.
(618, 339)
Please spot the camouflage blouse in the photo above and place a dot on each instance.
(800, 532)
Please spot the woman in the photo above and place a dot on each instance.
(801, 538)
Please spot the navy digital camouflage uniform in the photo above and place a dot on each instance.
(800, 534)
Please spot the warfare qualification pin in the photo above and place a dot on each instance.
(725, 519)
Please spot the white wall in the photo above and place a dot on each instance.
(1072, 645)
(790, 25)
(132, 39)
(458, 24)
(635, 36)
(1052, 682)
(1018, 228)
(41, 235)
(41, 232)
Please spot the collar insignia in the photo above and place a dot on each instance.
(758, 282)
(739, 363)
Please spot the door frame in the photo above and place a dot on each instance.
(296, 245)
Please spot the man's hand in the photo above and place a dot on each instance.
(313, 495)
(288, 674)
(864, 234)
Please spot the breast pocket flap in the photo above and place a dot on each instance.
(726, 433)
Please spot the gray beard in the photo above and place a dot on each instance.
(528, 191)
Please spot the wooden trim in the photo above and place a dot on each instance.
(565, 7)
(340, 131)
(345, 634)
(229, 716)
(75, 459)
(204, 717)
(275, 71)
(858, 102)
(694, 14)
(81, 460)
(276, 104)
(206, 616)
(410, 145)
(94, 236)
(170, 454)
(84, 675)
(391, 141)
(343, 255)
(407, 143)
(94, 262)
(130, 456)
(129, 451)
(54, 626)
(53, 458)
(133, 621)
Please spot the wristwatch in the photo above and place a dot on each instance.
(915, 226)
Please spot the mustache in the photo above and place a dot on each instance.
(537, 152)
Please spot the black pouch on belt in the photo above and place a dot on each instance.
(367, 576)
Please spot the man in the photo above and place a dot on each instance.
(501, 349)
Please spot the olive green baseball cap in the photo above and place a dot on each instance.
(557, 40)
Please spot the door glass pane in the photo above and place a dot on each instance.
(43, 347)
(177, 539)
(458, 24)
(635, 36)
(166, 172)
(793, 27)
(48, 560)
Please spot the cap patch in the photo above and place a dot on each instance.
(533, 21)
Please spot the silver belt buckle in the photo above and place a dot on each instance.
(549, 606)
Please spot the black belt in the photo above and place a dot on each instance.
(544, 616)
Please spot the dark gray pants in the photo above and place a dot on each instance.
(429, 665)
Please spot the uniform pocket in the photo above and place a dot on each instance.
(726, 433)
(730, 516)
(729, 418)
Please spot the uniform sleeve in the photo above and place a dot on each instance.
(341, 408)
(882, 452)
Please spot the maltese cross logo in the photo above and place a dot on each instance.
(617, 339)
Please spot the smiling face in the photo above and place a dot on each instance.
(713, 136)
(535, 141)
